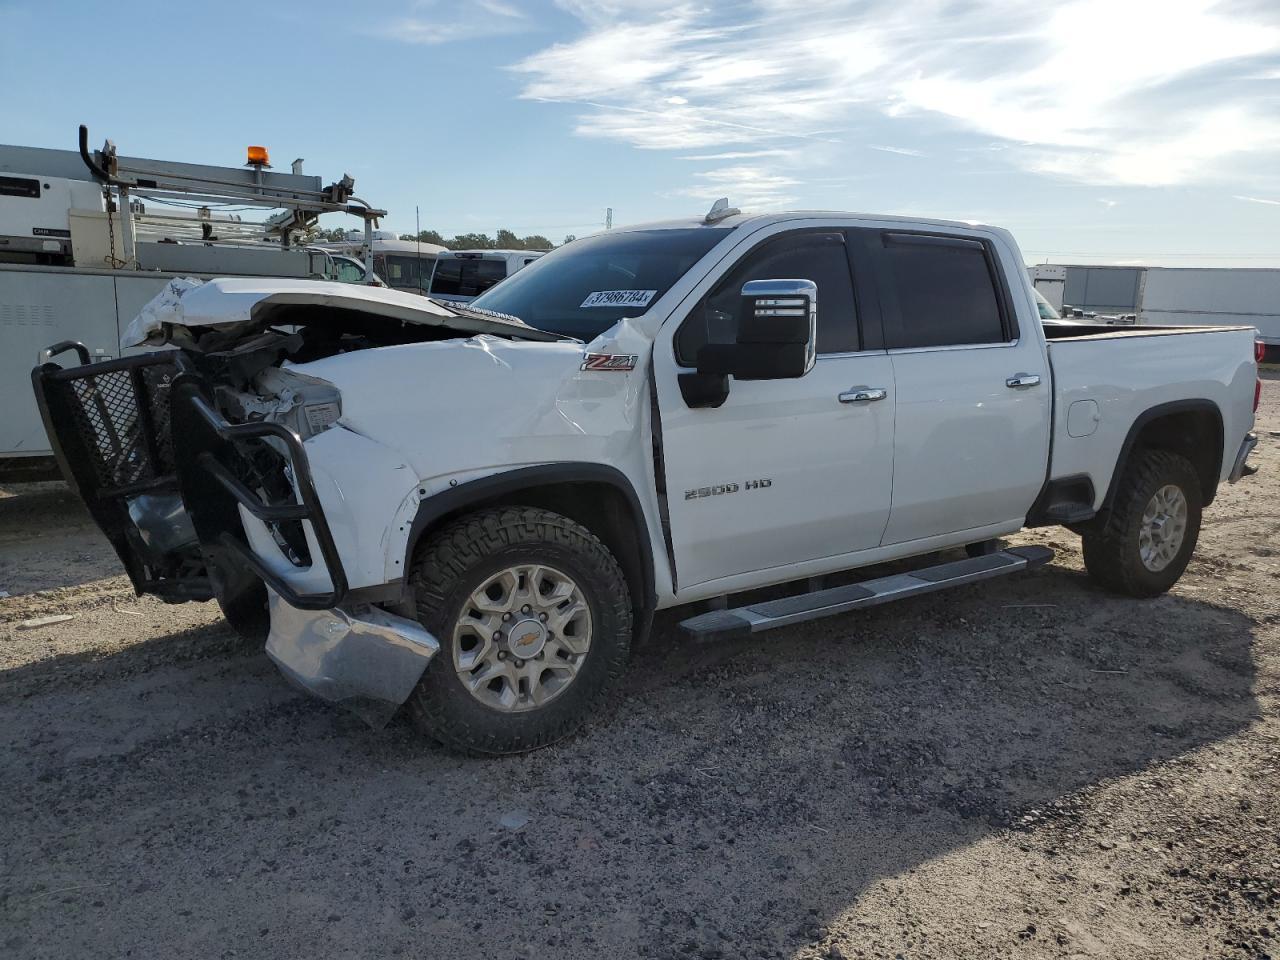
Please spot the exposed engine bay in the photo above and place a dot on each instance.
(239, 340)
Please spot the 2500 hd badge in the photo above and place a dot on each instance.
(722, 488)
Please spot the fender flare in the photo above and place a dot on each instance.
(483, 490)
(1198, 405)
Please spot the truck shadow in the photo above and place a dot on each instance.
(737, 799)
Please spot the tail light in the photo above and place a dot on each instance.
(1259, 351)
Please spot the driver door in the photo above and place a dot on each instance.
(784, 471)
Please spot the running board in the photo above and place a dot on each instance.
(757, 617)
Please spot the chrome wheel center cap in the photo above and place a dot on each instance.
(527, 638)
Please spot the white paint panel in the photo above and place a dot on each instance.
(968, 450)
(1131, 373)
(829, 465)
(36, 310)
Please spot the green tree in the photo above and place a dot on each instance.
(334, 235)
(471, 241)
(425, 236)
(504, 239)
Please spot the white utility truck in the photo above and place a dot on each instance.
(401, 264)
(87, 237)
(475, 511)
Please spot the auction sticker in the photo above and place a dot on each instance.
(619, 298)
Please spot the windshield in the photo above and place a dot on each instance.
(586, 286)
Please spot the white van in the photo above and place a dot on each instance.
(401, 264)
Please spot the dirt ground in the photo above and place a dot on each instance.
(1027, 768)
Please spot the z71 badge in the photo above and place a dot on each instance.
(609, 361)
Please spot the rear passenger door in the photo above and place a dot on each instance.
(971, 441)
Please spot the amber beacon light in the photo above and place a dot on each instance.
(258, 157)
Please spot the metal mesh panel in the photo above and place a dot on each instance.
(126, 445)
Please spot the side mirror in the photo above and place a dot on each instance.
(777, 333)
(777, 339)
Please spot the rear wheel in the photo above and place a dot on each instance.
(533, 616)
(1145, 543)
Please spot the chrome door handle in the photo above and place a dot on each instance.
(1023, 380)
(863, 394)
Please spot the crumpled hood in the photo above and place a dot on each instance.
(225, 302)
(466, 404)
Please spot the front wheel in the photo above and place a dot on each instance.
(533, 616)
(1143, 546)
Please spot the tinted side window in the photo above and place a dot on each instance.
(488, 272)
(820, 257)
(945, 292)
(466, 277)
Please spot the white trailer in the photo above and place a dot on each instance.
(1167, 296)
(1189, 296)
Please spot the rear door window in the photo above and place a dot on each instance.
(940, 291)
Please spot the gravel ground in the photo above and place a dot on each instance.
(1026, 768)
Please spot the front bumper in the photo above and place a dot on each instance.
(1241, 468)
(362, 658)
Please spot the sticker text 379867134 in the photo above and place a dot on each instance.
(619, 298)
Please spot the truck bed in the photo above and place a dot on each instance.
(1116, 376)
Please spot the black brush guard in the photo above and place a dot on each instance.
(207, 459)
(145, 425)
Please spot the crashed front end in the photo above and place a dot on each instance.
(196, 464)
(252, 498)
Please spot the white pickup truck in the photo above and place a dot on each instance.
(475, 512)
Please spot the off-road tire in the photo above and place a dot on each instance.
(1111, 552)
(454, 562)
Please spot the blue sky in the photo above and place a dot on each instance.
(1097, 130)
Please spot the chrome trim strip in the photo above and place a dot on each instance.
(894, 351)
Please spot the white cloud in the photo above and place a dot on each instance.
(1137, 92)
(1275, 203)
(739, 155)
(903, 151)
(747, 186)
(441, 21)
